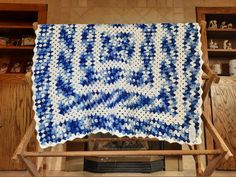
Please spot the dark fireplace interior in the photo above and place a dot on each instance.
(143, 164)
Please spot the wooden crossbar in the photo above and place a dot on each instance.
(123, 153)
(219, 154)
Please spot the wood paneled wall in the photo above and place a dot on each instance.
(123, 11)
(224, 115)
(15, 117)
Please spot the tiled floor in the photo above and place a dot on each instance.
(88, 174)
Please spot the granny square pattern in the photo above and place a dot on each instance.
(135, 80)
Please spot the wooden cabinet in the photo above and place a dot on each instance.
(15, 94)
(221, 103)
(223, 96)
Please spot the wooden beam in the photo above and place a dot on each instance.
(209, 72)
(213, 164)
(25, 140)
(216, 136)
(212, 77)
(29, 165)
(113, 139)
(204, 42)
(198, 162)
(122, 153)
(206, 87)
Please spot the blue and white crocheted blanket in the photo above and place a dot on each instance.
(135, 80)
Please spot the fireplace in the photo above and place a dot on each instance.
(124, 163)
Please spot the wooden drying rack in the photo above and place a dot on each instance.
(219, 154)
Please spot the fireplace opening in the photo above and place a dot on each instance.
(145, 164)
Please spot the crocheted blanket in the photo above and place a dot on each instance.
(135, 80)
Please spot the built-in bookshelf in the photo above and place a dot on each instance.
(221, 37)
(17, 38)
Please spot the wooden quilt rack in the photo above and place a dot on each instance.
(221, 153)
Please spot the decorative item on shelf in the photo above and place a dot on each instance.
(28, 66)
(227, 44)
(15, 67)
(3, 67)
(15, 41)
(217, 68)
(230, 26)
(27, 40)
(212, 24)
(3, 41)
(4, 64)
(223, 25)
(213, 44)
(232, 67)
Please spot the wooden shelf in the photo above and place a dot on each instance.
(221, 30)
(16, 25)
(222, 53)
(221, 50)
(17, 47)
(13, 77)
(221, 33)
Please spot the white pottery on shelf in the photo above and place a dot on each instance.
(217, 68)
(232, 67)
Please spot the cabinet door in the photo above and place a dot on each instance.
(224, 115)
(15, 117)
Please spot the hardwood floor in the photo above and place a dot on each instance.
(88, 174)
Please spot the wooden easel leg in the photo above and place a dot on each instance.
(213, 164)
(216, 136)
(40, 161)
(30, 166)
(21, 148)
(198, 162)
(206, 87)
(24, 141)
(226, 153)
